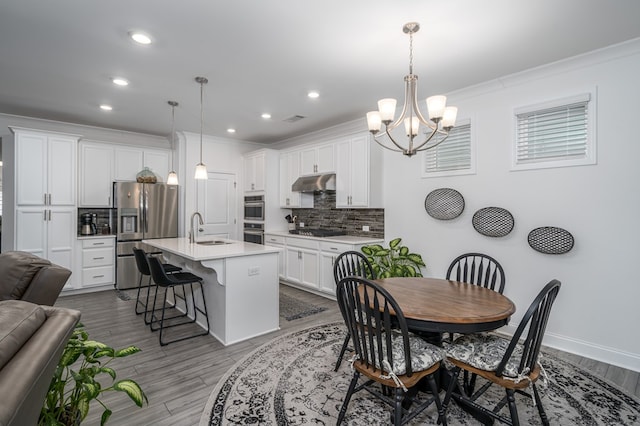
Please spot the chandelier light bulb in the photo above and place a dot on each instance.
(374, 121)
(411, 126)
(449, 117)
(387, 108)
(201, 172)
(436, 105)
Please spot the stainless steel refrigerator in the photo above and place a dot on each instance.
(143, 211)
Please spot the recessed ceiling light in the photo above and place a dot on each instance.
(105, 107)
(313, 94)
(266, 116)
(231, 130)
(118, 81)
(140, 37)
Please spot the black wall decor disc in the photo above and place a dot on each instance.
(444, 204)
(493, 221)
(550, 240)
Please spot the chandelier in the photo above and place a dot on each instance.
(435, 129)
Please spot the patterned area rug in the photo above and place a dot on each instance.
(290, 381)
(292, 308)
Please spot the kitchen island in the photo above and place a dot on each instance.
(240, 283)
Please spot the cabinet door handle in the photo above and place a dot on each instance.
(45, 198)
(97, 244)
(98, 258)
(50, 202)
(49, 215)
(98, 276)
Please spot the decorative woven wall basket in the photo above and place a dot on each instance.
(493, 221)
(550, 240)
(444, 204)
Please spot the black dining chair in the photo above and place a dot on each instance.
(386, 353)
(143, 268)
(184, 280)
(509, 363)
(478, 269)
(481, 270)
(350, 263)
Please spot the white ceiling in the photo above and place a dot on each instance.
(57, 57)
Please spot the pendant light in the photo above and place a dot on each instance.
(172, 177)
(201, 169)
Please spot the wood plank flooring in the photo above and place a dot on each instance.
(179, 378)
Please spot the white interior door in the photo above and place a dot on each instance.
(217, 203)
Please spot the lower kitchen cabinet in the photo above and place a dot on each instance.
(307, 262)
(98, 262)
(302, 262)
(277, 241)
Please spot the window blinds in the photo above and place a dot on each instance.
(452, 154)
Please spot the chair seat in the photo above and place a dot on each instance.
(423, 354)
(181, 278)
(484, 351)
(169, 268)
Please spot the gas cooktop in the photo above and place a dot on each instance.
(318, 232)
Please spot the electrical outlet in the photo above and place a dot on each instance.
(365, 228)
(254, 270)
(301, 224)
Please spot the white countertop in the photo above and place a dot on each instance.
(347, 239)
(193, 251)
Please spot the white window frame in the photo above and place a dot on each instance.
(471, 170)
(590, 156)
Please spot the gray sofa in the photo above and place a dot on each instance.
(32, 338)
(25, 276)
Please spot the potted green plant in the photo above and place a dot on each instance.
(395, 261)
(75, 382)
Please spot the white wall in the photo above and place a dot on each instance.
(596, 313)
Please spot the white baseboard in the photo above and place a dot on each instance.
(586, 349)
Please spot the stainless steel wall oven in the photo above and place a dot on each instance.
(254, 207)
(254, 233)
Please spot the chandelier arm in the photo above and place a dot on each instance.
(400, 147)
(422, 146)
(375, 138)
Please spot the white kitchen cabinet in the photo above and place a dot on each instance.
(289, 172)
(127, 163)
(47, 232)
(277, 241)
(329, 252)
(98, 262)
(130, 161)
(45, 168)
(254, 171)
(317, 159)
(101, 164)
(96, 175)
(40, 194)
(302, 261)
(358, 173)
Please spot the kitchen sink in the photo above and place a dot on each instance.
(212, 243)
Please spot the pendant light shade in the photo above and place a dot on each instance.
(172, 177)
(201, 169)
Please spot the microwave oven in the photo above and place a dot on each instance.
(254, 207)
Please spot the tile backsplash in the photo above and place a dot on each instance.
(326, 215)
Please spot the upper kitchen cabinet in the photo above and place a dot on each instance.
(130, 161)
(254, 171)
(317, 159)
(289, 172)
(358, 173)
(45, 168)
(96, 170)
(101, 164)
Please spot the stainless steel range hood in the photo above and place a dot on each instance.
(326, 182)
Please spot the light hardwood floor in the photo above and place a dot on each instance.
(179, 378)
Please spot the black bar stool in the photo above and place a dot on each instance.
(143, 268)
(162, 279)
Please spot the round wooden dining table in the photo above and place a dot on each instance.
(439, 306)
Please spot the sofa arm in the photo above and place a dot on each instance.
(25, 379)
(46, 285)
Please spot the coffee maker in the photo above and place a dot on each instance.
(87, 224)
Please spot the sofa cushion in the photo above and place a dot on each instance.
(18, 322)
(17, 269)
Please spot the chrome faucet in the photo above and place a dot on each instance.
(192, 234)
